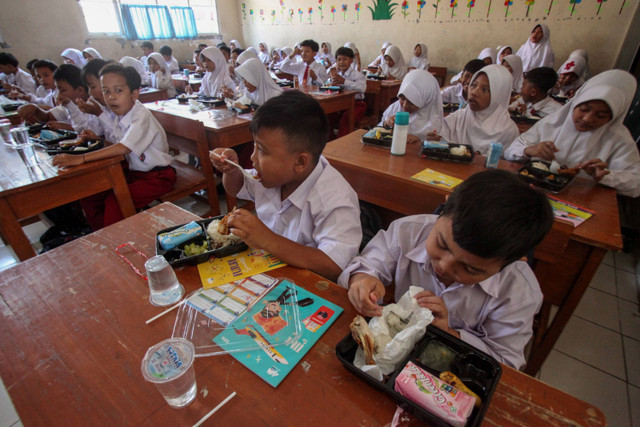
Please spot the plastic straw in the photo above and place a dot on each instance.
(165, 312)
(213, 411)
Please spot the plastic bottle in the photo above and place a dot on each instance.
(400, 131)
(493, 155)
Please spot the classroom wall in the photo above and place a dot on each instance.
(453, 36)
(44, 28)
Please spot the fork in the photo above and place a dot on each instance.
(231, 162)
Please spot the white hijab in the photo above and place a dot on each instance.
(420, 62)
(75, 55)
(321, 54)
(236, 43)
(248, 53)
(493, 124)
(583, 54)
(94, 53)
(488, 52)
(399, 69)
(500, 50)
(254, 72)
(515, 62)
(129, 61)
(539, 54)
(423, 90)
(213, 82)
(577, 65)
(263, 56)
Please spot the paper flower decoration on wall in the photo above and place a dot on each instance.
(320, 9)
(244, 11)
(405, 7)
(470, 5)
(435, 15)
(251, 13)
(421, 4)
(507, 3)
(333, 13)
(291, 15)
(358, 6)
(310, 11)
(453, 5)
(273, 16)
(344, 12)
(262, 15)
(573, 4)
(529, 3)
(300, 14)
(599, 6)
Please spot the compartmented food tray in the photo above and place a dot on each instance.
(177, 256)
(450, 107)
(447, 151)
(211, 101)
(35, 132)
(477, 370)
(545, 180)
(245, 109)
(332, 88)
(378, 136)
(519, 118)
(82, 148)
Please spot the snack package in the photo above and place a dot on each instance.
(434, 395)
(173, 238)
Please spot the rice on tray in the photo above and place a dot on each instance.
(221, 240)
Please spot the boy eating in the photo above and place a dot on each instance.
(533, 99)
(309, 71)
(467, 262)
(342, 73)
(307, 214)
(12, 77)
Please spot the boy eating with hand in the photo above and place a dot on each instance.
(467, 262)
(307, 214)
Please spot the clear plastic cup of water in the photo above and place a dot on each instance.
(169, 365)
(164, 288)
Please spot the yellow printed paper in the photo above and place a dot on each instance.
(218, 271)
(437, 179)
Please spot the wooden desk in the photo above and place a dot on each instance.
(180, 82)
(335, 102)
(74, 335)
(150, 94)
(13, 117)
(380, 93)
(27, 192)
(385, 180)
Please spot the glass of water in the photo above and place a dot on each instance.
(164, 288)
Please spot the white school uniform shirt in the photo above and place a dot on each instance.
(21, 79)
(81, 121)
(541, 108)
(141, 133)
(495, 315)
(213, 82)
(257, 75)
(160, 80)
(493, 124)
(611, 143)
(452, 94)
(297, 68)
(173, 65)
(353, 80)
(539, 54)
(516, 75)
(264, 57)
(109, 121)
(60, 114)
(423, 90)
(322, 213)
(399, 69)
(420, 62)
(44, 96)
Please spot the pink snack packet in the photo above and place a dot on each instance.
(434, 395)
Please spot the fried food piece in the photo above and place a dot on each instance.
(452, 380)
(364, 337)
(566, 171)
(223, 228)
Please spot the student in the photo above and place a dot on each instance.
(139, 137)
(570, 77)
(380, 58)
(235, 44)
(419, 95)
(309, 72)
(247, 54)
(537, 52)
(488, 55)
(419, 59)
(458, 93)
(160, 77)
(129, 61)
(90, 53)
(263, 53)
(467, 260)
(357, 64)
(198, 61)
(325, 57)
(587, 132)
(233, 59)
(224, 49)
(172, 63)
(259, 86)
(46, 92)
(394, 66)
(533, 98)
(307, 214)
(578, 52)
(217, 78)
(14, 77)
(73, 56)
(343, 73)
(513, 63)
(486, 118)
(502, 52)
(32, 70)
(147, 49)
(96, 104)
(276, 57)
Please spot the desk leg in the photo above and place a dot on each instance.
(12, 231)
(121, 191)
(352, 114)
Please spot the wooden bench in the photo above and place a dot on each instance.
(440, 73)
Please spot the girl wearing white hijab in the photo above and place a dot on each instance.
(394, 65)
(513, 63)
(235, 44)
(537, 52)
(419, 95)
(73, 56)
(259, 86)
(248, 53)
(284, 52)
(587, 132)
(486, 118)
(263, 53)
(502, 52)
(419, 59)
(129, 61)
(160, 76)
(217, 78)
(90, 53)
(380, 58)
(325, 57)
(584, 55)
(570, 77)
(357, 65)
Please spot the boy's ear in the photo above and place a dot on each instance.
(302, 161)
(135, 94)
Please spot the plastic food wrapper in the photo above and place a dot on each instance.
(435, 395)
(173, 238)
(195, 106)
(393, 350)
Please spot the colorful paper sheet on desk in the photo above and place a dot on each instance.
(262, 323)
(569, 212)
(437, 179)
(218, 271)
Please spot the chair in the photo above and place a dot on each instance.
(440, 73)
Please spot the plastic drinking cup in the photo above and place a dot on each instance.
(164, 288)
(186, 73)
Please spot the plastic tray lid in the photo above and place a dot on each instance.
(258, 312)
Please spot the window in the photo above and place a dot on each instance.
(151, 19)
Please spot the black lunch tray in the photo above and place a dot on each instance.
(64, 135)
(332, 88)
(450, 107)
(519, 118)
(12, 106)
(479, 371)
(246, 109)
(176, 256)
(210, 101)
(90, 145)
(444, 154)
(370, 139)
(548, 181)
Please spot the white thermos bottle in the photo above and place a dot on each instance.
(400, 131)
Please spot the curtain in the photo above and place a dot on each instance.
(148, 22)
(184, 22)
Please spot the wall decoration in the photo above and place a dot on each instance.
(273, 16)
(251, 13)
(436, 6)
(290, 15)
(508, 3)
(310, 11)
(421, 4)
(344, 12)
(358, 5)
(282, 10)
(320, 9)
(244, 11)
(333, 13)
(489, 10)
(405, 6)
(453, 5)
(300, 13)
(623, 3)
(529, 3)
(470, 5)
(551, 2)
(382, 9)
(262, 15)
(573, 4)
(600, 6)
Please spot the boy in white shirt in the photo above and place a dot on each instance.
(342, 73)
(172, 63)
(533, 100)
(147, 49)
(457, 93)
(11, 76)
(307, 213)
(46, 92)
(309, 71)
(139, 137)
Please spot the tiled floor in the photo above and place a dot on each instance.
(596, 359)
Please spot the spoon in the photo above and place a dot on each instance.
(554, 167)
(231, 162)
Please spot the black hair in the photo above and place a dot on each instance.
(219, 45)
(310, 43)
(544, 78)
(8, 59)
(345, 51)
(45, 63)
(31, 63)
(69, 73)
(225, 48)
(148, 45)
(474, 66)
(237, 51)
(130, 74)
(166, 51)
(202, 46)
(93, 68)
(301, 119)
(495, 214)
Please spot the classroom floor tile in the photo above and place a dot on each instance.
(629, 319)
(605, 279)
(7, 257)
(594, 345)
(600, 308)
(626, 262)
(35, 230)
(627, 288)
(8, 414)
(589, 384)
(608, 259)
(632, 360)
(634, 398)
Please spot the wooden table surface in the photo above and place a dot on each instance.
(74, 335)
(149, 94)
(25, 192)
